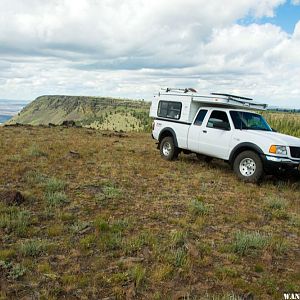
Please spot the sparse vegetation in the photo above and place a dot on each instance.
(277, 207)
(247, 242)
(12, 271)
(117, 221)
(295, 220)
(14, 220)
(54, 185)
(138, 274)
(288, 123)
(32, 247)
(199, 208)
(55, 199)
(34, 151)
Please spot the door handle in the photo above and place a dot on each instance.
(204, 131)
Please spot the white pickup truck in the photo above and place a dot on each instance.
(221, 126)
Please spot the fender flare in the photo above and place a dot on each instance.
(244, 147)
(173, 134)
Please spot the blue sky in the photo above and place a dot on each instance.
(133, 48)
(286, 16)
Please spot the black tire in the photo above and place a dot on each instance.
(248, 167)
(205, 158)
(168, 150)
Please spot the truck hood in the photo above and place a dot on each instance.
(276, 138)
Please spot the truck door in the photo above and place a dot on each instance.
(215, 136)
(195, 130)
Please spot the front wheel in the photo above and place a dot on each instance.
(248, 167)
(168, 150)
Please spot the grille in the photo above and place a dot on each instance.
(295, 152)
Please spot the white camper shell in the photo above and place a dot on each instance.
(191, 101)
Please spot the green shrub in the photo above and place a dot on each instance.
(276, 203)
(55, 199)
(277, 208)
(17, 271)
(178, 238)
(109, 192)
(54, 185)
(179, 257)
(138, 274)
(87, 242)
(15, 220)
(226, 272)
(33, 247)
(35, 177)
(101, 224)
(198, 208)
(246, 242)
(12, 271)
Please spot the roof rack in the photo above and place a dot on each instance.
(186, 90)
(216, 99)
(230, 102)
(232, 96)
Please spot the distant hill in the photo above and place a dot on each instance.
(96, 112)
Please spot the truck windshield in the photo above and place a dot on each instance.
(248, 120)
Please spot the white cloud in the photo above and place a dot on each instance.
(295, 2)
(118, 48)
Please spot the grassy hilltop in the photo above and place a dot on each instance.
(95, 112)
(105, 217)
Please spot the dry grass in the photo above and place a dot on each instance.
(117, 221)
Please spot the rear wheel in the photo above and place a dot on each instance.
(248, 166)
(168, 150)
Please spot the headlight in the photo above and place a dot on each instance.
(281, 150)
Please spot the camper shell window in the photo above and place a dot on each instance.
(170, 110)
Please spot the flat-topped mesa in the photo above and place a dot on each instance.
(98, 112)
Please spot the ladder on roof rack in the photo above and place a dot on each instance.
(232, 96)
(186, 90)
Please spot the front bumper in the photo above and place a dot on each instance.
(273, 163)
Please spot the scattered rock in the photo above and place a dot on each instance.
(69, 123)
(17, 125)
(267, 258)
(193, 251)
(11, 198)
(74, 154)
(93, 189)
(128, 261)
(120, 134)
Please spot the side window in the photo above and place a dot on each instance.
(200, 117)
(171, 110)
(219, 120)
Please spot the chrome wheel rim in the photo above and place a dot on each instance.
(247, 167)
(167, 149)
